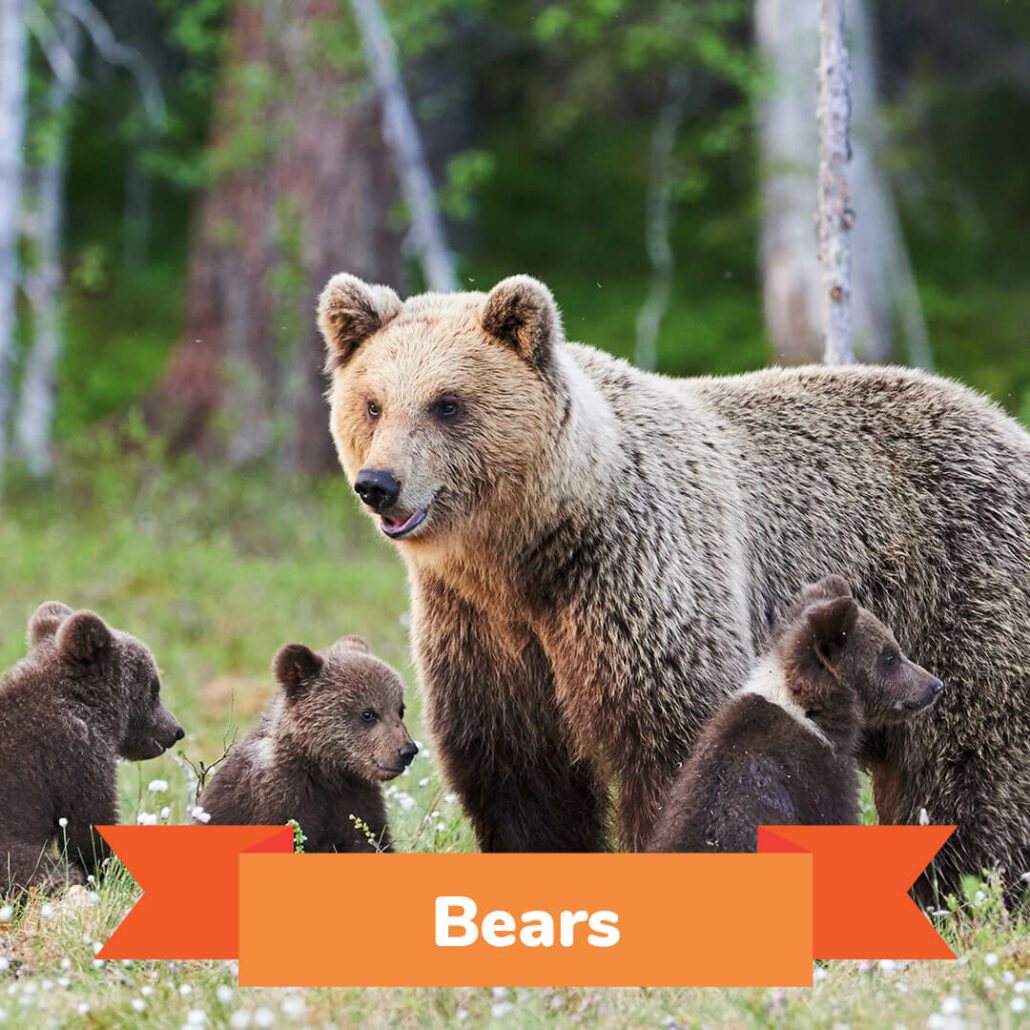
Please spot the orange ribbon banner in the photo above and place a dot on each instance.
(527, 920)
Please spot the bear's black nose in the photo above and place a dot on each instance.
(938, 686)
(180, 733)
(377, 488)
(408, 752)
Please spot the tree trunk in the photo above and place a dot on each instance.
(405, 142)
(835, 214)
(885, 304)
(37, 402)
(13, 75)
(304, 193)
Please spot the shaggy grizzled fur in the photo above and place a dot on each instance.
(320, 751)
(85, 696)
(784, 749)
(600, 552)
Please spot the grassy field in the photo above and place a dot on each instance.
(215, 571)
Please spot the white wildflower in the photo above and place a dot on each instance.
(146, 819)
(500, 993)
(1009, 977)
(450, 798)
(424, 782)
(158, 787)
(138, 1004)
(264, 1017)
(6, 913)
(951, 1006)
(64, 981)
(240, 1019)
(406, 801)
(200, 815)
(461, 1015)
(500, 1009)
(47, 911)
(147, 990)
(990, 959)
(224, 993)
(66, 963)
(1018, 1004)
(99, 963)
(887, 965)
(166, 814)
(62, 822)
(83, 1008)
(185, 989)
(988, 983)
(5, 964)
(293, 1006)
(196, 1017)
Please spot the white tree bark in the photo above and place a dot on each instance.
(885, 302)
(658, 222)
(835, 214)
(13, 75)
(405, 143)
(37, 401)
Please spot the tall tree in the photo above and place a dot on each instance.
(885, 302)
(834, 208)
(302, 185)
(13, 76)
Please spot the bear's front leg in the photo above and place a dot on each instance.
(501, 739)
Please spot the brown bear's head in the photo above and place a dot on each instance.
(442, 404)
(839, 657)
(109, 671)
(343, 709)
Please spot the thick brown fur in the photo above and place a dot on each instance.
(85, 696)
(315, 755)
(784, 750)
(604, 551)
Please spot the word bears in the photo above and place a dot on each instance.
(456, 926)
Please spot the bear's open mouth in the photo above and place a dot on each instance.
(396, 526)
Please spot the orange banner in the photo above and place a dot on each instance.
(526, 920)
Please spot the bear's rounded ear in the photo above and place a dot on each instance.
(520, 312)
(826, 589)
(829, 624)
(294, 667)
(46, 620)
(349, 311)
(350, 642)
(83, 637)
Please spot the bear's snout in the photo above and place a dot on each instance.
(408, 752)
(378, 488)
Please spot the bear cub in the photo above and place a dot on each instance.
(85, 696)
(320, 751)
(783, 750)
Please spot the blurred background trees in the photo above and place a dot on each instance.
(653, 161)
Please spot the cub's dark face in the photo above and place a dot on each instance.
(890, 686)
(345, 709)
(111, 669)
(152, 728)
(860, 655)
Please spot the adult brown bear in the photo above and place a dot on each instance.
(597, 554)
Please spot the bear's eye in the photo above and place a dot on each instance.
(445, 407)
(400, 711)
(368, 715)
(373, 409)
(889, 658)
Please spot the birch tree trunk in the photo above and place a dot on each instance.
(405, 143)
(37, 401)
(13, 75)
(835, 214)
(885, 302)
(658, 221)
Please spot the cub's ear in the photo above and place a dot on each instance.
(350, 642)
(829, 624)
(45, 621)
(294, 667)
(521, 312)
(349, 311)
(84, 637)
(826, 589)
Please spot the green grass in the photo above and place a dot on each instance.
(215, 571)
